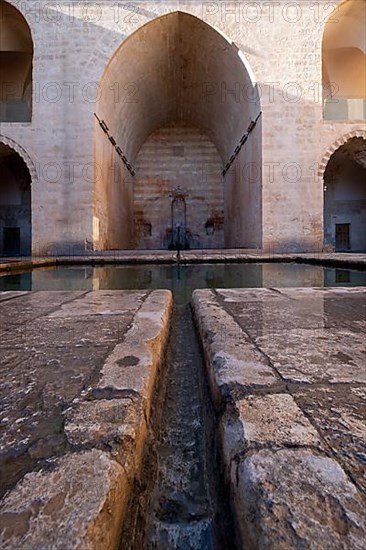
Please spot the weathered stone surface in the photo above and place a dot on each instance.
(78, 504)
(103, 302)
(297, 499)
(316, 355)
(312, 495)
(45, 364)
(131, 367)
(234, 362)
(309, 335)
(32, 305)
(8, 295)
(235, 296)
(266, 312)
(59, 395)
(114, 425)
(339, 413)
(272, 421)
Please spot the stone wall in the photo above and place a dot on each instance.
(113, 198)
(281, 43)
(178, 163)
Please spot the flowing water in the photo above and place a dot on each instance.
(187, 508)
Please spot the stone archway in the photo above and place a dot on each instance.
(15, 203)
(345, 197)
(179, 93)
(16, 63)
(344, 62)
(336, 145)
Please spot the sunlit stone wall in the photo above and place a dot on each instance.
(75, 204)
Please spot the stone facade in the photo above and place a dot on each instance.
(215, 66)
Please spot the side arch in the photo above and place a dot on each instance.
(15, 199)
(336, 145)
(23, 154)
(344, 192)
(16, 60)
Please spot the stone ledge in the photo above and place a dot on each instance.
(269, 421)
(234, 363)
(132, 257)
(132, 365)
(112, 425)
(293, 483)
(78, 501)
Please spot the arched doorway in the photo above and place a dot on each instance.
(16, 58)
(345, 197)
(344, 62)
(15, 204)
(178, 116)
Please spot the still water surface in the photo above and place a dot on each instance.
(182, 279)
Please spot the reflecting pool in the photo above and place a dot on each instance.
(182, 279)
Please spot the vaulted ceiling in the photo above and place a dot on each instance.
(177, 69)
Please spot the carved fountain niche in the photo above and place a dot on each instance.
(179, 234)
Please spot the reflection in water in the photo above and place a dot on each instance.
(292, 275)
(16, 281)
(344, 277)
(181, 279)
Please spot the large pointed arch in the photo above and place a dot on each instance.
(178, 71)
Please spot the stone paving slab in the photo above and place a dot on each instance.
(339, 414)
(29, 306)
(294, 448)
(78, 377)
(236, 365)
(78, 502)
(296, 498)
(9, 294)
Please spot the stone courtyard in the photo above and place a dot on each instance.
(182, 275)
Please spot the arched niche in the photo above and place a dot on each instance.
(345, 198)
(344, 62)
(15, 204)
(16, 63)
(177, 81)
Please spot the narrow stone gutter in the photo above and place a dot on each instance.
(180, 501)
